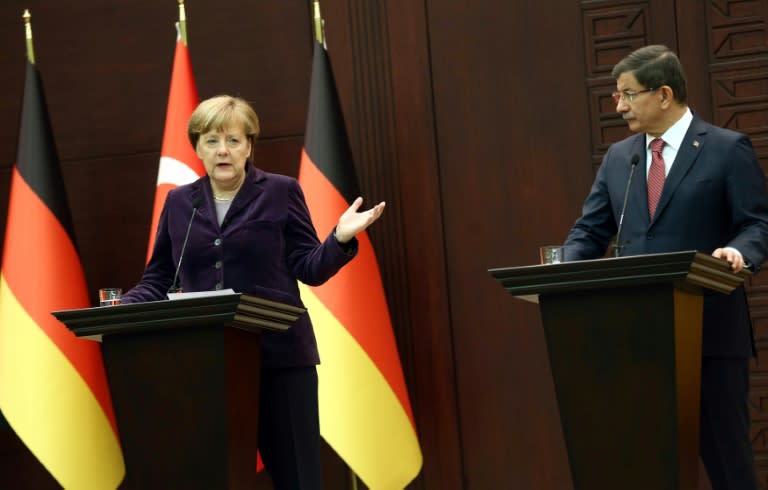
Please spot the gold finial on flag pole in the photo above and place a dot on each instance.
(183, 23)
(28, 29)
(319, 33)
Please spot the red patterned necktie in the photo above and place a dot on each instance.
(656, 175)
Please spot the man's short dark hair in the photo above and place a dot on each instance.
(654, 66)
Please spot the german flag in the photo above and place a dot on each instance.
(179, 163)
(53, 390)
(365, 413)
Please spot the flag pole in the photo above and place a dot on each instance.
(319, 25)
(183, 23)
(28, 29)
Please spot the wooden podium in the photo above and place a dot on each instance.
(184, 380)
(624, 343)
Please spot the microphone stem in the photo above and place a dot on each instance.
(617, 247)
(174, 288)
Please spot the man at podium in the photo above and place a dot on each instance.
(248, 230)
(697, 187)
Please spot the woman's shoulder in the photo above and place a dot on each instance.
(270, 179)
(186, 191)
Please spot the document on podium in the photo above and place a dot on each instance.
(200, 294)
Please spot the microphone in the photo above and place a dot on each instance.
(195, 204)
(617, 246)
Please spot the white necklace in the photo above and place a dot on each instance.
(222, 199)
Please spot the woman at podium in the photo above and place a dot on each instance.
(242, 228)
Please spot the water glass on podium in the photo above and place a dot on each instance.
(110, 296)
(551, 254)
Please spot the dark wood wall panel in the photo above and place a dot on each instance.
(111, 225)
(432, 381)
(512, 128)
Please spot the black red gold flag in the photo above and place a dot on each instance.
(365, 412)
(53, 389)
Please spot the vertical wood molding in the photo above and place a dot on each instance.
(374, 145)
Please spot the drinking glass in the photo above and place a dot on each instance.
(110, 296)
(551, 254)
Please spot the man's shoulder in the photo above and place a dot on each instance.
(702, 127)
(630, 140)
(633, 143)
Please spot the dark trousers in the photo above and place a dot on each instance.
(725, 445)
(289, 428)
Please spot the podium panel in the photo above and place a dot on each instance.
(626, 377)
(176, 394)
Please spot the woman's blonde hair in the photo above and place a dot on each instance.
(222, 112)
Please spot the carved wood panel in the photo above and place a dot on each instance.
(758, 397)
(611, 31)
(738, 71)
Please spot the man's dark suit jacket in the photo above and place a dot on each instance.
(714, 196)
(266, 242)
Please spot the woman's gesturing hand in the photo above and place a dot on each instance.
(353, 221)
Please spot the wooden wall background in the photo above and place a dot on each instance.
(480, 122)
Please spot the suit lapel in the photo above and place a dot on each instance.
(202, 190)
(248, 191)
(687, 154)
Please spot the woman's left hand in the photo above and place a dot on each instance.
(353, 222)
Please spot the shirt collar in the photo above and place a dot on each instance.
(673, 137)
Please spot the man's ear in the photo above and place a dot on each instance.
(667, 95)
